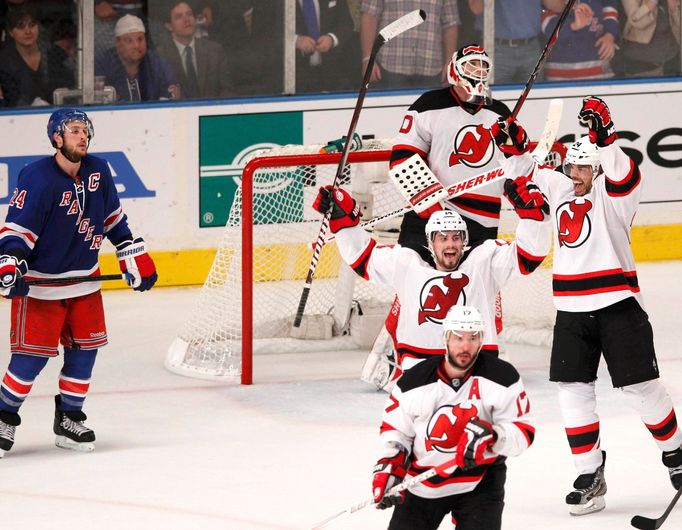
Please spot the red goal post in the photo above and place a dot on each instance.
(249, 300)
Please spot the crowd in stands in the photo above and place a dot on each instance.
(196, 49)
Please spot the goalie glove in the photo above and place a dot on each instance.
(596, 116)
(477, 438)
(345, 211)
(526, 198)
(389, 471)
(136, 264)
(510, 137)
(12, 270)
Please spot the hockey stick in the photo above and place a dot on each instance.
(391, 31)
(78, 279)
(426, 475)
(543, 57)
(542, 149)
(645, 523)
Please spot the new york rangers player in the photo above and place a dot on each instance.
(59, 214)
(599, 305)
(464, 406)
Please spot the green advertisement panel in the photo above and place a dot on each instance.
(225, 142)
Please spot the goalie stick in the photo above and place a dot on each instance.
(645, 523)
(436, 192)
(77, 279)
(391, 31)
(441, 469)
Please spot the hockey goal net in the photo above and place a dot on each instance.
(249, 299)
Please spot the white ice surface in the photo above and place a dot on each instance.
(298, 445)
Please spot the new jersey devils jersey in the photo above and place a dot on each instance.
(427, 294)
(59, 223)
(427, 411)
(457, 145)
(593, 262)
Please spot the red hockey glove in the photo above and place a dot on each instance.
(12, 271)
(430, 210)
(596, 116)
(526, 198)
(137, 264)
(478, 436)
(510, 137)
(389, 471)
(345, 211)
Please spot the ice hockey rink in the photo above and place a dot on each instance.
(298, 445)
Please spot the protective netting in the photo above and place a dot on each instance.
(285, 227)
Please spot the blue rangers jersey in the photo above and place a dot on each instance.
(58, 223)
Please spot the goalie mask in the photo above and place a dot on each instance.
(470, 69)
(582, 153)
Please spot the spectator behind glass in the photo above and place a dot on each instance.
(200, 64)
(651, 39)
(517, 36)
(107, 12)
(29, 71)
(587, 42)
(419, 58)
(136, 73)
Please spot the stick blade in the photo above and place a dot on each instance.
(409, 21)
(550, 131)
(644, 523)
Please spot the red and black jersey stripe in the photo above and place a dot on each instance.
(402, 152)
(625, 186)
(360, 264)
(527, 262)
(595, 282)
(527, 430)
(666, 428)
(479, 204)
(583, 439)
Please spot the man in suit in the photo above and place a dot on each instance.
(200, 65)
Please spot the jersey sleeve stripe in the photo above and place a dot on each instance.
(360, 264)
(386, 427)
(528, 431)
(113, 219)
(486, 207)
(402, 152)
(19, 232)
(527, 261)
(625, 186)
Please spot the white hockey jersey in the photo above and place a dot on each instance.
(427, 294)
(456, 145)
(593, 262)
(427, 411)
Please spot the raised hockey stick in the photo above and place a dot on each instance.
(78, 279)
(645, 523)
(391, 31)
(441, 469)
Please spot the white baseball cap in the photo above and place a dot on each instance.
(128, 24)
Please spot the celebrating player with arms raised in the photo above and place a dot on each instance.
(597, 296)
(59, 214)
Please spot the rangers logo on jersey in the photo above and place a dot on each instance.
(573, 223)
(446, 426)
(473, 146)
(439, 294)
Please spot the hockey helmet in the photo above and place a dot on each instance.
(61, 117)
(462, 318)
(582, 153)
(445, 221)
(470, 69)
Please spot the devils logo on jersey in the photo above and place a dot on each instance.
(446, 427)
(573, 223)
(439, 294)
(473, 147)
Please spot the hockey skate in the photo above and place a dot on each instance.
(673, 461)
(70, 431)
(590, 488)
(8, 426)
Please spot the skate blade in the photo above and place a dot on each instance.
(82, 447)
(596, 504)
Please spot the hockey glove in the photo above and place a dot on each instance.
(478, 436)
(526, 198)
(596, 116)
(137, 264)
(510, 137)
(389, 471)
(12, 271)
(345, 211)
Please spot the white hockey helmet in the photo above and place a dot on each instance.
(445, 221)
(462, 318)
(470, 69)
(582, 153)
